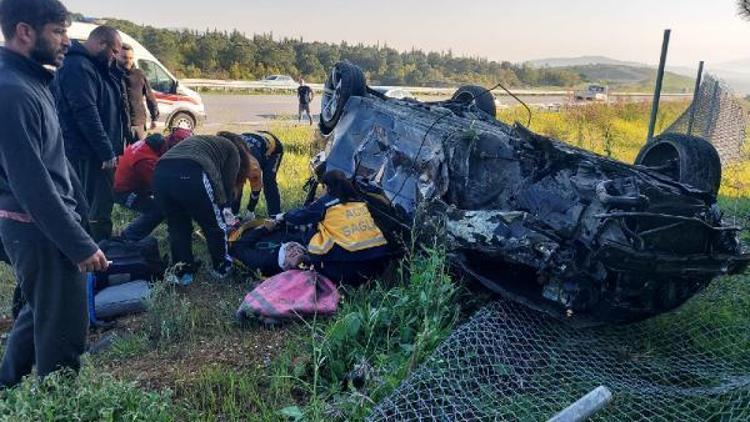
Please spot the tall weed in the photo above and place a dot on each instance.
(379, 336)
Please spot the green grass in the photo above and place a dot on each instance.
(187, 360)
(93, 396)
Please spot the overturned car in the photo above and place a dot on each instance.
(555, 227)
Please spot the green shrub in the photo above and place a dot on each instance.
(90, 397)
(169, 317)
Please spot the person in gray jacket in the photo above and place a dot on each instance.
(90, 102)
(40, 208)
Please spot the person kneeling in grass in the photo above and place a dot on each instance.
(133, 188)
(193, 182)
(346, 244)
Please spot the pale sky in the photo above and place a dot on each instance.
(513, 30)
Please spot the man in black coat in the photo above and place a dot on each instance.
(88, 90)
(40, 207)
(138, 91)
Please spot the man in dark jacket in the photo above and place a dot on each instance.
(90, 106)
(137, 91)
(39, 222)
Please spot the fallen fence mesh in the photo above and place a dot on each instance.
(718, 116)
(508, 362)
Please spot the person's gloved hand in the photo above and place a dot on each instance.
(229, 217)
(248, 216)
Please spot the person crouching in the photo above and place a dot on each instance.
(346, 246)
(194, 181)
(268, 150)
(133, 188)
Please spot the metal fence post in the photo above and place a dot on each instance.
(659, 80)
(585, 407)
(694, 104)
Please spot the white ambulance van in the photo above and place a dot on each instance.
(179, 106)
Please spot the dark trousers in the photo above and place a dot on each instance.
(304, 108)
(258, 249)
(135, 134)
(184, 194)
(350, 272)
(149, 217)
(50, 330)
(97, 186)
(270, 167)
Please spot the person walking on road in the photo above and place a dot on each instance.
(40, 207)
(90, 105)
(305, 97)
(138, 91)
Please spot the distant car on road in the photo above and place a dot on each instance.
(284, 81)
(592, 92)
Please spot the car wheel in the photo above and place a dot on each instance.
(686, 159)
(479, 96)
(182, 120)
(345, 80)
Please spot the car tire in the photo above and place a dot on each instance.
(183, 120)
(686, 159)
(479, 95)
(345, 81)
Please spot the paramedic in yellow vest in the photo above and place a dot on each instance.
(345, 244)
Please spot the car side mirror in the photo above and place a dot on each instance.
(175, 85)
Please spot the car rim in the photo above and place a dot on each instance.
(331, 95)
(184, 123)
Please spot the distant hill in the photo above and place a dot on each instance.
(736, 66)
(736, 73)
(627, 75)
(631, 78)
(581, 61)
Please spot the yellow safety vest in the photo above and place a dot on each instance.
(270, 144)
(348, 225)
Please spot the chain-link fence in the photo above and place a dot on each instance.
(511, 363)
(718, 116)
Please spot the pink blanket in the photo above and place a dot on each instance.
(291, 294)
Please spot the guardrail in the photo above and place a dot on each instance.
(262, 86)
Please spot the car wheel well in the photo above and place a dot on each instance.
(170, 121)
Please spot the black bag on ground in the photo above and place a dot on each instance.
(131, 260)
(124, 288)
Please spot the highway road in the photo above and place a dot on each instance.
(251, 110)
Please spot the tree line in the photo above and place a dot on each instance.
(233, 55)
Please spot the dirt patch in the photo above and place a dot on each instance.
(183, 363)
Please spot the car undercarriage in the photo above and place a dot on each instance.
(558, 228)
